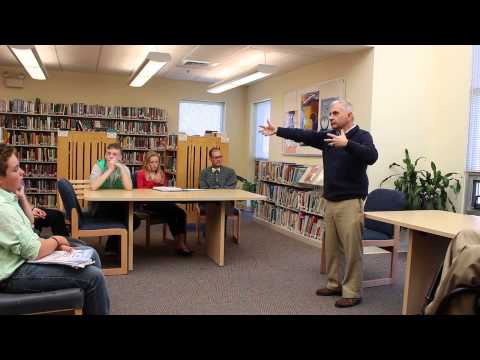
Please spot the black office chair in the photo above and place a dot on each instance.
(42, 302)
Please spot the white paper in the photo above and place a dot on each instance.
(167, 188)
(76, 258)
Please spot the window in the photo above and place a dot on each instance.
(195, 117)
(473, 156)
(472, 185)
(261, 113)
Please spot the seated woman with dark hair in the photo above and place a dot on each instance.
(152, 175)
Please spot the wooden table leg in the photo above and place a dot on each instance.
(130, 236)
(215, 232)
(425, 254)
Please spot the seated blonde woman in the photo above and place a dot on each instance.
(152, 175)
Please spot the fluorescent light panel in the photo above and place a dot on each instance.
(261, 72)
(150, 66)
(28, 56)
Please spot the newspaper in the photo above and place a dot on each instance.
(78, 258)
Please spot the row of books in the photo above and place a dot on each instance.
(123, 126)
(47, 201)
(37, 154)
(172, 140)
(138, 156)
(32, 186)
(23, 122)
(281, 195)
(29, 138)
(82, 109)
(288, 173)
(310, 201)
(298, 222)
(40, 170)
(138, 142)
(37, 123)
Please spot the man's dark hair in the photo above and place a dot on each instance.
(210, 152)
(116, 146)
(5, 154)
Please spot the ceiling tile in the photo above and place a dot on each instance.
(78, 57)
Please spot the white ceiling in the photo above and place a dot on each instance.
(226, 61)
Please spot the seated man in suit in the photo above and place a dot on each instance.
(218, 176)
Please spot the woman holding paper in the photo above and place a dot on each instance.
(150, 176)
(19, 243)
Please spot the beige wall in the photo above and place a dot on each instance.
(414, 97)
(69, 87)
(420, 101)
(355, 68)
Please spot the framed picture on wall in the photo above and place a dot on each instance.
(307, 109)
(324, 114)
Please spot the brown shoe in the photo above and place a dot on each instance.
(347, 302)
(328, 292)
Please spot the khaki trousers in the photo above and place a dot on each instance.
(343, 236)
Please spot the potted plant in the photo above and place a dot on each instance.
(424, 190)
(251, 187)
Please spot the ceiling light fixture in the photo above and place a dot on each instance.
(260, 72)
(149, 67)
(27, 55)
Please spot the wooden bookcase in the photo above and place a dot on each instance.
(32, 128)
(291, 208)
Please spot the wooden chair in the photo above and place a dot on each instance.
(376, 233)
(192, 158)
(234, 217)
(82, 225)
(149, 217)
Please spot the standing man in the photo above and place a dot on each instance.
(347, 150)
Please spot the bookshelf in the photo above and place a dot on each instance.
(291, 207)
(32, 128)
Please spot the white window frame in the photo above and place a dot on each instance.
(223, 122)
(255, 130)
(472, 172)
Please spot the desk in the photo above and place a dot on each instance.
(430, 232)
(215, 225)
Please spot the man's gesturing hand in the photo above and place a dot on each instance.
(268, 130)
(337, 141)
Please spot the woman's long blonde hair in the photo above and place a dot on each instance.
(149, 155)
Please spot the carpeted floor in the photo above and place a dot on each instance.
(267, 273)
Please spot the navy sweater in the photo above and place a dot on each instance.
(345, 169)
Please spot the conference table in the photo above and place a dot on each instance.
(216, 200)
(430, 232)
